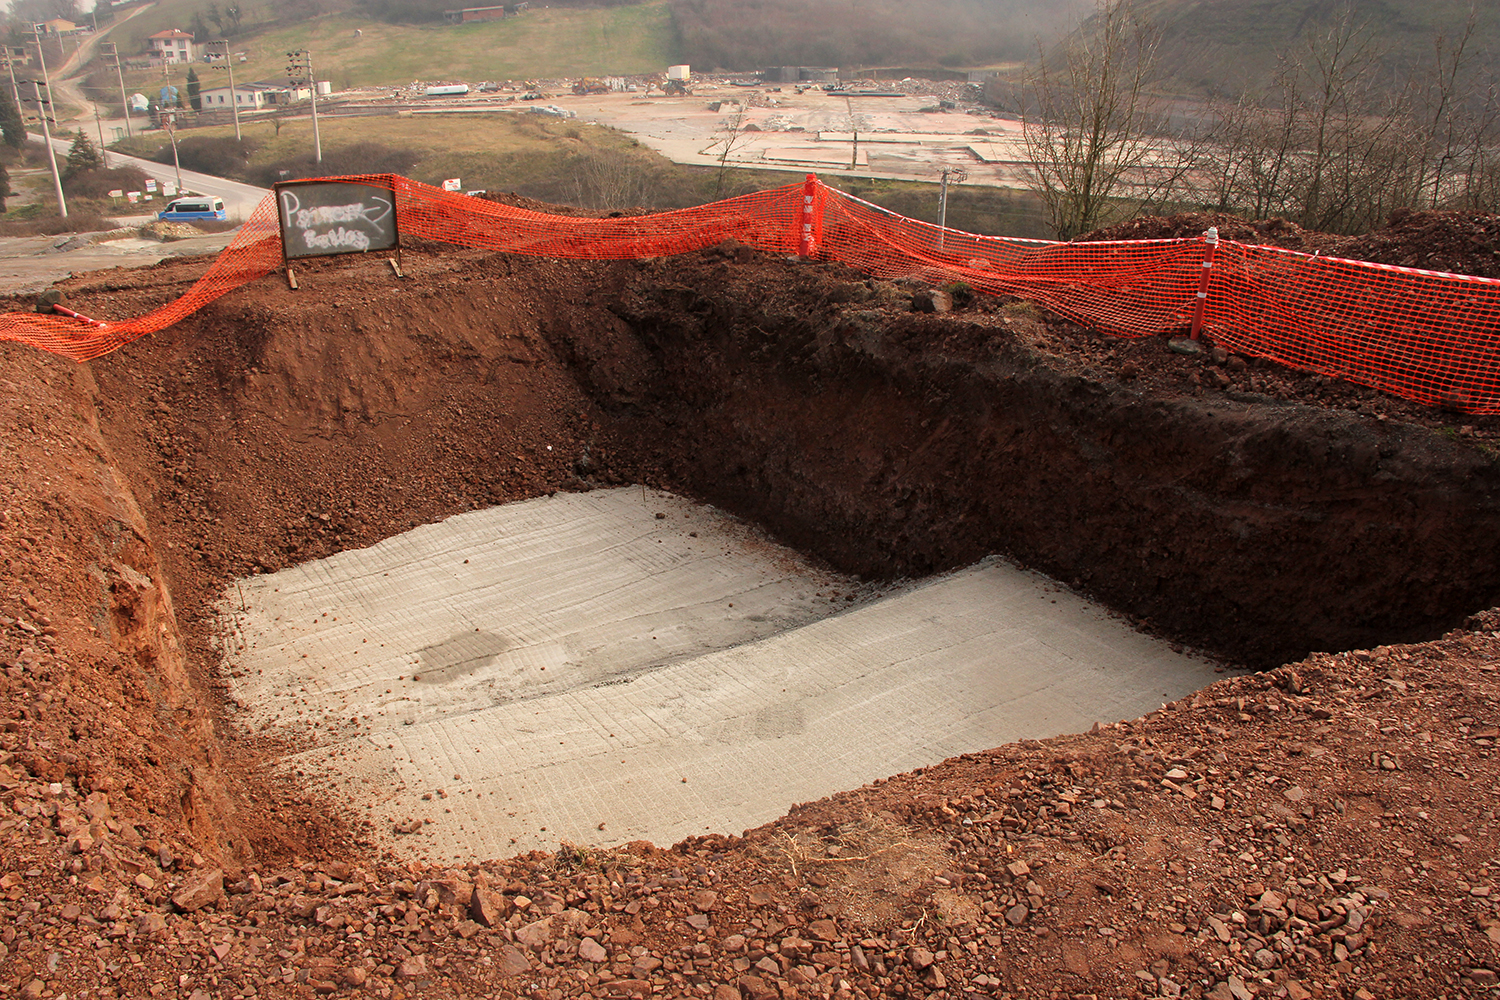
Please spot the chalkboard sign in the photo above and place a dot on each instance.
(319, 218)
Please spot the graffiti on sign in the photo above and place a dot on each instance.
(330, 217)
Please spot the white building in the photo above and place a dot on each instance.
(172, 46)
(249, 97)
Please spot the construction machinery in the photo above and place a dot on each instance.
(590, 85)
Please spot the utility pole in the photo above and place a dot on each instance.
(62, 203)
(170, 120)
(234, 98)
(15, 90)
(959, 175)
(301, 63)
(99, 122)
(114, 53)
(854, 125)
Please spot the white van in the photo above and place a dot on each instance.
(190, 209)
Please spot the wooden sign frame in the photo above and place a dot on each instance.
(325, 218)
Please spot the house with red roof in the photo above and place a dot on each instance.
(171, 46)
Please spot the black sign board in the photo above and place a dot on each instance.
(319, 218)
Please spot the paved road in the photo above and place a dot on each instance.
(239, 199)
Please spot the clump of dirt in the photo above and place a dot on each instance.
(1451, 242)
(532, 205)
(1186, 225)
(166, 232)
(1321, 829)
(1454, 242)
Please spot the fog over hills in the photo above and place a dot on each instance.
(1215, 46)
(744, 34)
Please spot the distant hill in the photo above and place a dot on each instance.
(1225, 45)
(371, 42)
(750, 34)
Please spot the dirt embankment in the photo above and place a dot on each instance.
(896, 443)
(1276, 835)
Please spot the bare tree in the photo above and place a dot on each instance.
(1477, 165)
(611, 179)
(1324, 145)
(730, 135)
(1329, 143)
(1098, 138)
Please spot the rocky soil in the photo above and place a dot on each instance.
(1324, 829)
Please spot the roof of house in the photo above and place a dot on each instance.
(171, 33)
(249, 86)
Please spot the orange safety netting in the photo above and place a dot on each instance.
(1429, 337)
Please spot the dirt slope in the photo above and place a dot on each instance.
(1323, 829)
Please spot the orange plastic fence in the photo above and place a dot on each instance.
(1429, 337)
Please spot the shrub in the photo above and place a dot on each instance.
(82, 158)
(358, 158)
(55, 225)
(97, 184)
(222, 157)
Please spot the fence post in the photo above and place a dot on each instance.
(809, 193)
(1212, 238)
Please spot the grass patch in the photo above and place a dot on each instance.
(987, 210)
(40, 220)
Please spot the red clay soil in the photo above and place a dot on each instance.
(1452, 242)
(1324, 829)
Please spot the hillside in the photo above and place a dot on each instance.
(621, 38)
(733, 34)
(545, 42)
(1214, 46)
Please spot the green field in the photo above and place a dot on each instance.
(544, 42)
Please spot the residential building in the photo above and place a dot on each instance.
(172, 46)
(470, 14)
(249, 97)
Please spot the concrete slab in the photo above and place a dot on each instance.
(583, 676)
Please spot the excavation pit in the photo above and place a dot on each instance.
(275, 428)
(621, 665)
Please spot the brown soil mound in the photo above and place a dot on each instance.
(532, 205)
(1186, 225)
(1322, 829)
(1451, 242)
(169, 231)
(1454, 242)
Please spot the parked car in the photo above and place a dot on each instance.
(191, 209)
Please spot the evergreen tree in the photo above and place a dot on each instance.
(11, 125)
(194, 90)
(82, 157)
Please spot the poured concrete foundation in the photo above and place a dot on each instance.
(580, 668)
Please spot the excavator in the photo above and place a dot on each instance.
(590, 85)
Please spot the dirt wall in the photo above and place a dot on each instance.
(892, 443)
(95, 666)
